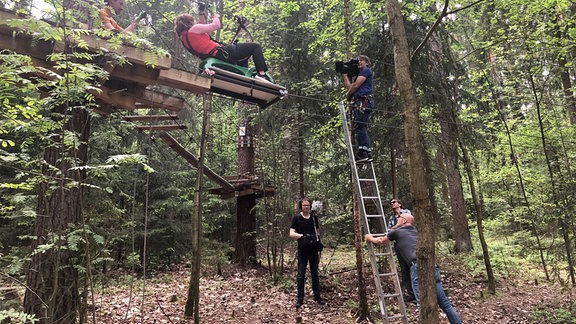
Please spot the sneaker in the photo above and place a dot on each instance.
(409, 299)
(320, 301)
(369, 156)
(262, 78)
(361, 157)
(299, 303)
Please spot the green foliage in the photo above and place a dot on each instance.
(13, 316)
(554, 313)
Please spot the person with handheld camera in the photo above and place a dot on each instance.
(195, 37)
(305, 229)
(359, 94)
(108, 22)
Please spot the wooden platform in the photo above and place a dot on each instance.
(127, 89)
(128, 82)
(244, 185)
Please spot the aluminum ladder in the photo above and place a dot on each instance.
(382, 258)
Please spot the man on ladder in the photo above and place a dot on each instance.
(359, 95)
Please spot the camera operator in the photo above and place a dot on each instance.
(360, 96)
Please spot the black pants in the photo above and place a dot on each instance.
(240, 53)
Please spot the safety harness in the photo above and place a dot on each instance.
(361, 102)
(204, 56)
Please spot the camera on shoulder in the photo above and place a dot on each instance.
(350, 68)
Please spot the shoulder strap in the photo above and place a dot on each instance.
(314, 220)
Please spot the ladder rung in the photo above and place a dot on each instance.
(390, 295)
(370, 197)
(383, 254)
(396, 316)
(367, 179)
(387, 274)
(373, 216)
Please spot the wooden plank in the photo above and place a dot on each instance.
(104, 108)
(184, 80)
(172, 143)
(155, 99)
(134, 118)
(267, 192)
(135, 73)
(118, 99)
(133, 54)
(22, 44)
(159, 127)
(95, 43)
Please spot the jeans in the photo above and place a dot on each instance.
(305, 257)
(360, 117)
(443, 301)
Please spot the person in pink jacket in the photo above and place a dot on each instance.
(196, 39)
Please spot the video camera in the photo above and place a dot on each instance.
(350, 68)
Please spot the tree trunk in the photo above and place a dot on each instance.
(463, 241)
(193, 301)
(479, 207)
(245, 246)
(416, 166)
(52, 279)
(393, 179)
(448, 118)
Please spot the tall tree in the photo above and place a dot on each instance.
(245, 245)
(192, 307)
(449, 135)
(52, 277)
(417, 168)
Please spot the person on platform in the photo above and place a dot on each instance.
(108, 21)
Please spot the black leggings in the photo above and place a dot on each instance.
(240, 53)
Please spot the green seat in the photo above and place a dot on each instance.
(244, 71)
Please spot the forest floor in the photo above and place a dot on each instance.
(246, 296)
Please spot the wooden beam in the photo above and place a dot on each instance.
(116, 98)
(22, 44)
(134, 118)
(194, 161)
(133, 54)
(154, 99)
(159, 127)
(184, 80)
(97, 44)
(104, 108)
(134, 73)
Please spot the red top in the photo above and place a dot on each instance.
(198, 37)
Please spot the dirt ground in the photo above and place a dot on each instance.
(245, 296)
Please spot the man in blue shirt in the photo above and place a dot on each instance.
(359, 93)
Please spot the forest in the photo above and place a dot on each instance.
(473, 128)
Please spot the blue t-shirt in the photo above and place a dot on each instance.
(366, 87)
